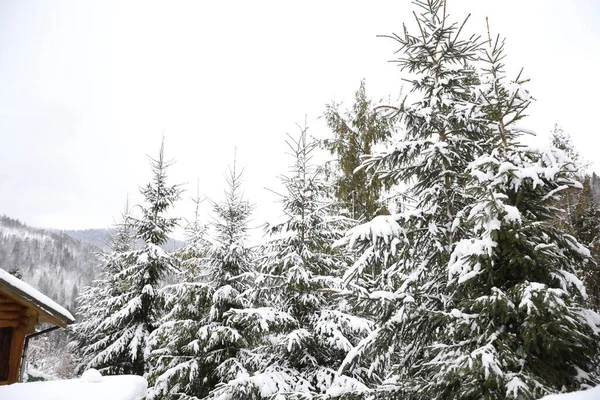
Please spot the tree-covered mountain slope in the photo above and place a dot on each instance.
(56, 263)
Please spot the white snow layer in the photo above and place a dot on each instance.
(46, 303)
(385, 227)
(91, 386)
(591, 394)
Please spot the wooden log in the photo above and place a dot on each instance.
(11, 307)
(10, 315)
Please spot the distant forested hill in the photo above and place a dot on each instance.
(99, 238)
(55, 263)
(58, 263)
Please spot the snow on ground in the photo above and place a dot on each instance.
(91, 386)
(48, 304)
(591, 394)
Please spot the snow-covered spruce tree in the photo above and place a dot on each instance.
(401, 276)
(298, 269)
(193, 257)
(580, 214)
(187, 303)
(134, 309)
(516, 327)
(501, 300)
(586, 226)
(569, 199)
(96, 302)
(208, 334)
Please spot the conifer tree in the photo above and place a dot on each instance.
(562, 141)
(586, 226)
(568, 202)
(96, 302)
(298, 271)
(193, 257)
(580, 214)
(355, 132)
(171, 348)
(479, 296)
(133, 309)
(400, 277)
(207, 337)
(518, 324)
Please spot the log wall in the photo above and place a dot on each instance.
(17, 321)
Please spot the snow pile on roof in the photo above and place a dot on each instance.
(591, 394)
(46, 303)
(91, 386)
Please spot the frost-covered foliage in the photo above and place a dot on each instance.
(400, 277)
(571, 196)
(580, 213)
(586, 228)
(49, 357)
(517, 324)
(297, 272)
(95, 303)
(202, 341)
(193, 257)
(121, 310)
(476, 291)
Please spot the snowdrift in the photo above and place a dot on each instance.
(91, 386)
(591, 394)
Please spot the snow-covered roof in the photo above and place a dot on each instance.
(20, 291)
(88, 387)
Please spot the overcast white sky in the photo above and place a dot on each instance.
(88, 88)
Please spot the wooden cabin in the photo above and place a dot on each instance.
(22, 308)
